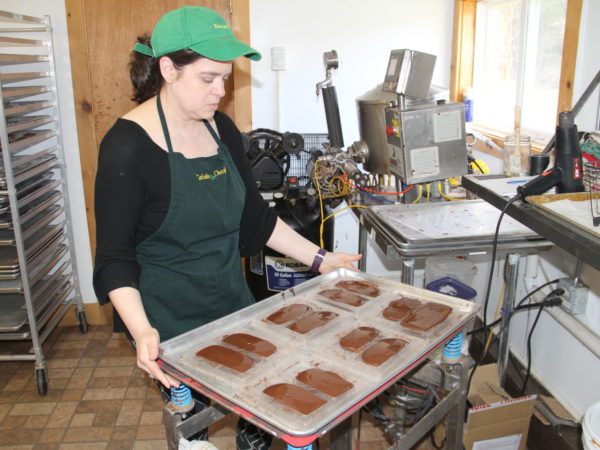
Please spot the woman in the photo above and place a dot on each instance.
(176, 203)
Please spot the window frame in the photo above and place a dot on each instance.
(463, 54)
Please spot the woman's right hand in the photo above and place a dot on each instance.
(146, 343)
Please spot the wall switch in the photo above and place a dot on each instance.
(277, 58)
(575, 297)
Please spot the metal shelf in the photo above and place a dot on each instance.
(38, 272)
(26, 107)
(8, 78)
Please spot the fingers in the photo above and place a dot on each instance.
(147, 354)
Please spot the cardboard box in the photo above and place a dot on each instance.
(495, 420)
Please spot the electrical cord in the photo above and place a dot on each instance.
(550, 300)
(520, 304)
(489, 288)
(420, 188)
(535, 322)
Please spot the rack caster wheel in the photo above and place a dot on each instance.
(81, 319)
(42, 381)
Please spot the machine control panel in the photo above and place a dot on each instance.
(427, 141)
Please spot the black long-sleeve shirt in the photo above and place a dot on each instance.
(132, 196)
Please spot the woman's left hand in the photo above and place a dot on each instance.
(337, 260)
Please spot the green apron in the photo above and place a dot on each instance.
(191, 272)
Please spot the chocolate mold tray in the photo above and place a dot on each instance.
(186, 360)
(381, 363)
(243, 391)
(459, 311)
(333, 397)
(293, 328)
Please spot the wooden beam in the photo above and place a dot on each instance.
(463, 47)
(84, 114)
(242, 75)
(569, 56)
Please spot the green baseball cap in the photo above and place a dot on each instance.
(199, 29)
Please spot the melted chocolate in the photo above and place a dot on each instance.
(329, 383)
(251, 343)
(226, 357)
(401, 308)
(383, 350)
(288, 313)
(295, 397)
(342, 296)
(426, 316)
(360, 287)
(311, 321)
(358, 338)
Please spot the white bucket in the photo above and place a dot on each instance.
(591, 428)
(437, 268)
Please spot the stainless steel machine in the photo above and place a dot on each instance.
(426, 135)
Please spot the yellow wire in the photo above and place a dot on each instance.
(489, 339)
(333, 189)
(420, 194)
(320, 202)
(444, 195)
(321, 229)
(428, 190)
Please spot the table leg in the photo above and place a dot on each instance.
(408, 271)
(508, 303)
(362, 248)
(341, 436)
(177, 428)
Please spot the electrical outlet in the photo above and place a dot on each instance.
(277, 58)
(575, 297)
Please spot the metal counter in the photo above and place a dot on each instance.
(583, 245)
(406, 232)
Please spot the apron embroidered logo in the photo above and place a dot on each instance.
(211, 176)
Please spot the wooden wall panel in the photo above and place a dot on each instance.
(101, 37)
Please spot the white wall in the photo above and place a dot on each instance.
(56, 10)
(362, 33)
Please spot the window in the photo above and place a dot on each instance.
(511, 53)
(518, 52)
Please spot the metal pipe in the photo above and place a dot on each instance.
(508, 304)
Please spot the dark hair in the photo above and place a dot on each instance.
(144, 70)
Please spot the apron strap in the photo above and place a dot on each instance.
(212, 132)
(163, 123)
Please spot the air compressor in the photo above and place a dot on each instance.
(270, 272)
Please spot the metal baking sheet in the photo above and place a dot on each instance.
(48, 311)
(318, 348)
(31, 168)
(13, 313)
(467, 220)
(47, 261)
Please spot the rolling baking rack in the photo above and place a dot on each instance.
(38, 276)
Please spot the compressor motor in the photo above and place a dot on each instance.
(270, 152)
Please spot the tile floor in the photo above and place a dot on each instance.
(98, 399)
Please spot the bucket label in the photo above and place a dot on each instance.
(284, 273)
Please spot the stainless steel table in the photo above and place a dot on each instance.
(406, 232)
(581, 244)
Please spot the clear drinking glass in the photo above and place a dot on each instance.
(516, 155)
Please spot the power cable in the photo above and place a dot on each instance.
(489, 288)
